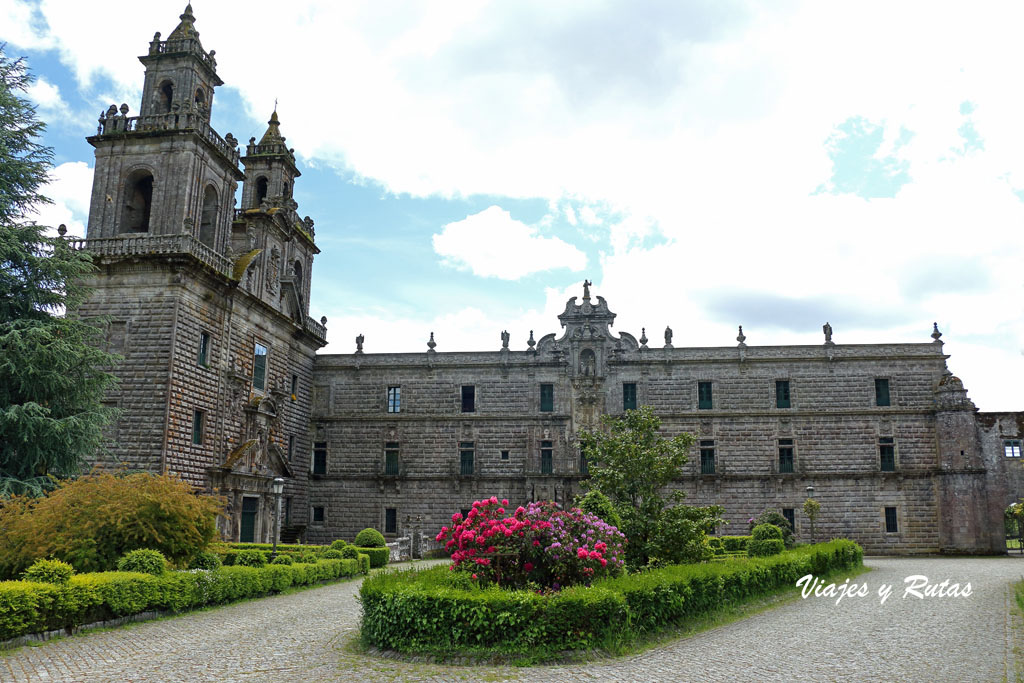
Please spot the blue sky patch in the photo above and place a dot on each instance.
(857, 167)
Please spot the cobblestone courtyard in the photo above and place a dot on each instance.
(302, 637)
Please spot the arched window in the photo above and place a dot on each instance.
(138, 201)
(208, 223)
(261, 190)
(164, 97)
(297, 274)
(286, 190)
(200, 100)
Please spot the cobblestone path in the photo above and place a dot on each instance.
(302, 637)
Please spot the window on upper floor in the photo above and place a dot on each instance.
(782, 393)
(1011, 448)
(547, 464)
(394, 399)
(465, 458)
(291, 447)
(319, 514)
(165, 97)
(468, 398)
(319, 464)
(881, 392)
(785, 456)
(203, 357)
(295, 387)
(547, 398)
(886, 454)
(891, 523)
(208, 217)
(707, 457)
(138, 202)
(629, 396)
(391, 451)
(705, 399)
(259, 367)
(584, 465)
(262, 187)
(198, 416)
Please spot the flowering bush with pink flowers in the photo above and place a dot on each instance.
(540, 544)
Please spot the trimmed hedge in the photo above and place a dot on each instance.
(30, 607)
(378, 556)
(732, 544)
(438, 610)
(369, 538)
(763, 547)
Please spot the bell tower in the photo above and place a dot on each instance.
(166, 172)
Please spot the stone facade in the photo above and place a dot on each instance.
(208, 304)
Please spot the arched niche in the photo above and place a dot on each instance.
(208, 221)
(138, 202)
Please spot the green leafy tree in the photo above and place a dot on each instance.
(52, 376)
(633, 464)
(812, 509)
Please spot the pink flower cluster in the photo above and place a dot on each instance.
(540, 544)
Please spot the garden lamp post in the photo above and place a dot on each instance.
(811, 508)
(277, 487)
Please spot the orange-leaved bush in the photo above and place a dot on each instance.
(92, 521)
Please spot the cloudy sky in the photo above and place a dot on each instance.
(706, 164)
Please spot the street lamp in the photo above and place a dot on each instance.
(811, 509)
(277, 487)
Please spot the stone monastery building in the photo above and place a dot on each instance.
(222, 384)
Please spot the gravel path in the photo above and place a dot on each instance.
(302, 637)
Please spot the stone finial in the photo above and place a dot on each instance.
(323, 320)
(530, 342)
(62, 230)
(231, 140)
(359, 343)
(668, 337)
(586, 289)
(741, 338)
(936, 335)
(505, 336)
(643, 337)
(124, 109)
(827, 329)
(431, 344)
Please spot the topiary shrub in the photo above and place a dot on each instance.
(144, 560)
(369, 538)
(332, 555)
(338, 544)
(309, 556)
(250, 558)
(49, 571)
(205, 560)
(764, 532)
(778, 519)
(765, 547)
(598, 504)
(284, 558)
(349, 552)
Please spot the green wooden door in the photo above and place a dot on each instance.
(248, 531)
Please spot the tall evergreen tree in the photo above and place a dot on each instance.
(52, 376)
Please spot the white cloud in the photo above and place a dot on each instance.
(493, 244)
(69, 189)
(704, 124)
(46, 95)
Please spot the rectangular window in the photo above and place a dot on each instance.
(259, 367)
(1011, 448)
(465, 458)
(785, 456)
(391, 458)
(295, 387)
(547, 465)
(886, 454)
(547, 398)
(584, 465)
(891, 527)
(204, 350)
(291, 447)
(707, 457)
(390, 521)
(782, 393)
(394, 399)
(629, 396)
(320, 457)
(704, 396)
(197, 427)
(469, 399)
(286, 515)
(790, 516)
(881, 392)
(504, 455)
(318, 513)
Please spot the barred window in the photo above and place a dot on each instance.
(707, 457)
(704, 396)
(629, 396)
(320, 457)
(785, 456)
(546, 457)
(547, 398)
(782, 394)
(881, 392)
(887, 454)
(391, 449)
(465, 458)
(891, 525)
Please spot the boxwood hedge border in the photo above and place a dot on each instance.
(442, 613)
